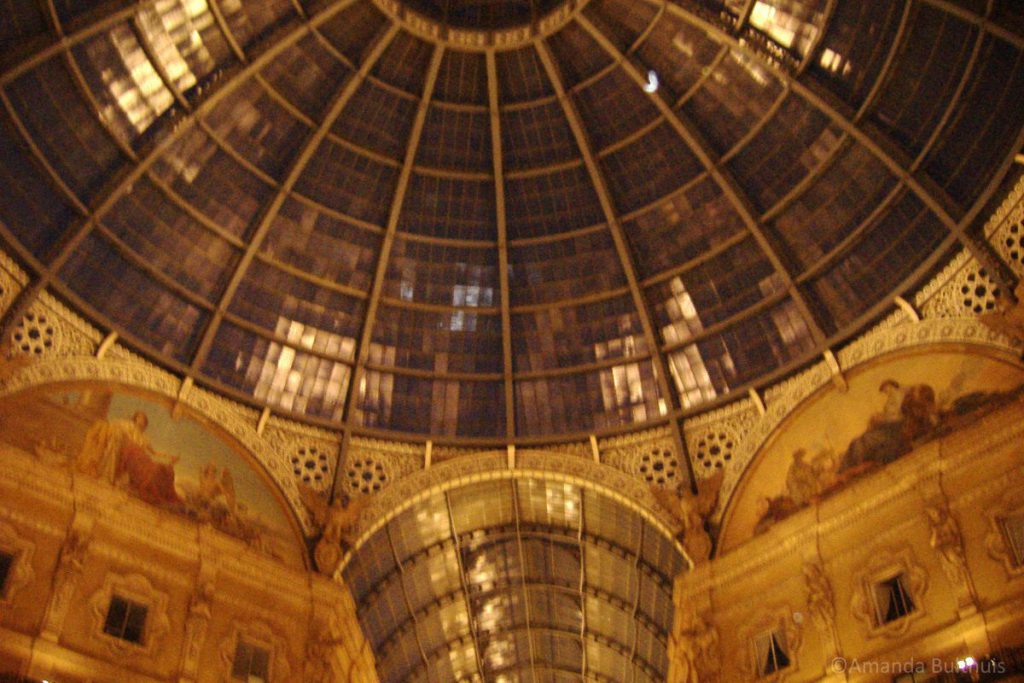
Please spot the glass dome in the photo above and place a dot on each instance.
(521, 228)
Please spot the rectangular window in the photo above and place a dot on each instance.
(770, 651)
(1013, 529)
(125, 619)
(251, 664)
(892, 601)
(6, 563)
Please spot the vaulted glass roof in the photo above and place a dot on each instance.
(517, 580)
(497, 221)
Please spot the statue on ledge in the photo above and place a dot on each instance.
(691, 512)
(336, 520)
(1008, 318)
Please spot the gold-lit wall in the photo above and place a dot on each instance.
(77, 541)
(932, 517)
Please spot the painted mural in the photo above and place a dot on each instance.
(889, 408)
(141, 446)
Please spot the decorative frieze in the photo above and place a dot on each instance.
(1005, 229)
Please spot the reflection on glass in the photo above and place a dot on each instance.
(622, 386)
(137, 90)
(789, 23)
(377, 388)
(688, 367)
(835, 63)
(175, 28)
(292, 380)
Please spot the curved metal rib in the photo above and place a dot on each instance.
(118, 186)
(737, 197)
(503, 270)
(299, 164)
(621, 245)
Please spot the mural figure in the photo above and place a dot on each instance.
(119, 452)
(802, 479)
(140, 446)
(910, 415)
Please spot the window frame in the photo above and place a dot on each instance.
(771, 643)
(8, 562)
(126, 628)
(906, 601)
(252, 649)
(138, 589)
(1014, 544)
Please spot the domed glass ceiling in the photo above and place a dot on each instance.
(315, 206)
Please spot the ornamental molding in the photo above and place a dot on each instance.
(579, 449)
(884, 563)
(138, 589)
(441, 454)
(32, 523)
(310, 453)
(963, 288)
(21, 573)
(1009, 504)
(372, 465)
(262, 635)
(162, 572)
(776, 619)
(12, 281)
(55, 486)
(1005, 229)
(48, 328)
(649, 456)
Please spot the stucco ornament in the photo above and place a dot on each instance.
(691, 512)
(884, 564)
(20, 574)
(1008, 317)
(945, 538)
(138, 589)
(337, 522)
(694, 648)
